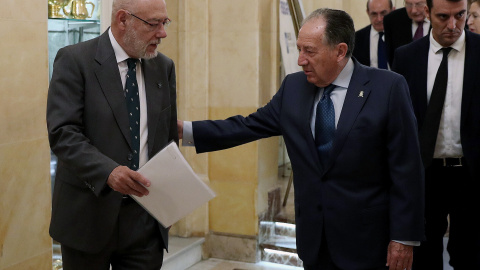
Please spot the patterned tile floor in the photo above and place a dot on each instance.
(217, 264)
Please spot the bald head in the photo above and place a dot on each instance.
(376, 10)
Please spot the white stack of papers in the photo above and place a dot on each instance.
(175, 189)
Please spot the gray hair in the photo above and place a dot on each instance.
(339, 29)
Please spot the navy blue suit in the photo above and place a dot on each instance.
(371, 189)
(454, 194)
(361, 51)
(398, 31)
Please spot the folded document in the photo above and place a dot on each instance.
(175, 189)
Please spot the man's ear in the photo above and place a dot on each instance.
(121, 18)
(427, 12)
(342, 49)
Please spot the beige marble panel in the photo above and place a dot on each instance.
(25, 201)
(196, 16)
(310, 5)
(233, 210)
(233, 16)
(231, 247)
(269, 59)
(235, 164)
(268, 15)
(172, 9)
(233, 63)
(358, 12)
(24, 80)
(42, 261)
(28, 11)
(267, 171)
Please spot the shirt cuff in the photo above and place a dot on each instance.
(409, 243)
(187, 134)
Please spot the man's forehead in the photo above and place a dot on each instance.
(414, 1)
(444, 6)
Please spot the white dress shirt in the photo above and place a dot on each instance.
(122, 57)
(374, 36)
(337, 95)
(448, 139)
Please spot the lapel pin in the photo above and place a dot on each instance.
(159, 85)
(360, 94)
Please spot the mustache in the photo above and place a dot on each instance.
(156, 42)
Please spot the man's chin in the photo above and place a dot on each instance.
(150, 55)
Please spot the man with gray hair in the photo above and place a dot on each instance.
(111, 106)
(351, 136)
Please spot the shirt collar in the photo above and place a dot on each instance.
(120, 53)
(375, 32)
(457, 45)
(343, 79)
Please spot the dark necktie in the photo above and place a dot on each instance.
(325, 124)
(382, 54)
(429, 130)
(133, 106)
(419, 31)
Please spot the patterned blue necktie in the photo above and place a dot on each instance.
(382, 52)
(325, 124)
(133, 106)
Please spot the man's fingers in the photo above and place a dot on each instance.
(127, 181)
(137, 189)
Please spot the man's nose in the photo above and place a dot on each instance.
(452, 23)
(161, 33)
(302, 61)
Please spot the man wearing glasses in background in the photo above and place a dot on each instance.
(405, 25)
(111, 106)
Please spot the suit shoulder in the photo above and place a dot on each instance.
(163, 59)
(474, 38)
(364, 30)
(414, 46)
(83, 46)
(300, 75)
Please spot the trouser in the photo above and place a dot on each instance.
(325, 261)
(450, 191)
(135, 244)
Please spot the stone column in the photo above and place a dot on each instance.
(25, 195)
(227, 64)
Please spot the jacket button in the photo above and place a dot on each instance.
(130, 156)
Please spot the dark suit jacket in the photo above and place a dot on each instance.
(88, 130)
(411, 61)
(370, 191)
(398, 31)
(361, 51)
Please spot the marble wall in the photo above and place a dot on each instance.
(24, 153)
(227, 63)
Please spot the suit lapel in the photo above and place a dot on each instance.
(308, 99)
(470, 77)
(357, 95)
(420, 82)
(110, 82)
(156, 89)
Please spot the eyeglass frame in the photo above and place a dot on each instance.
(416, 5)
(166, 22)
